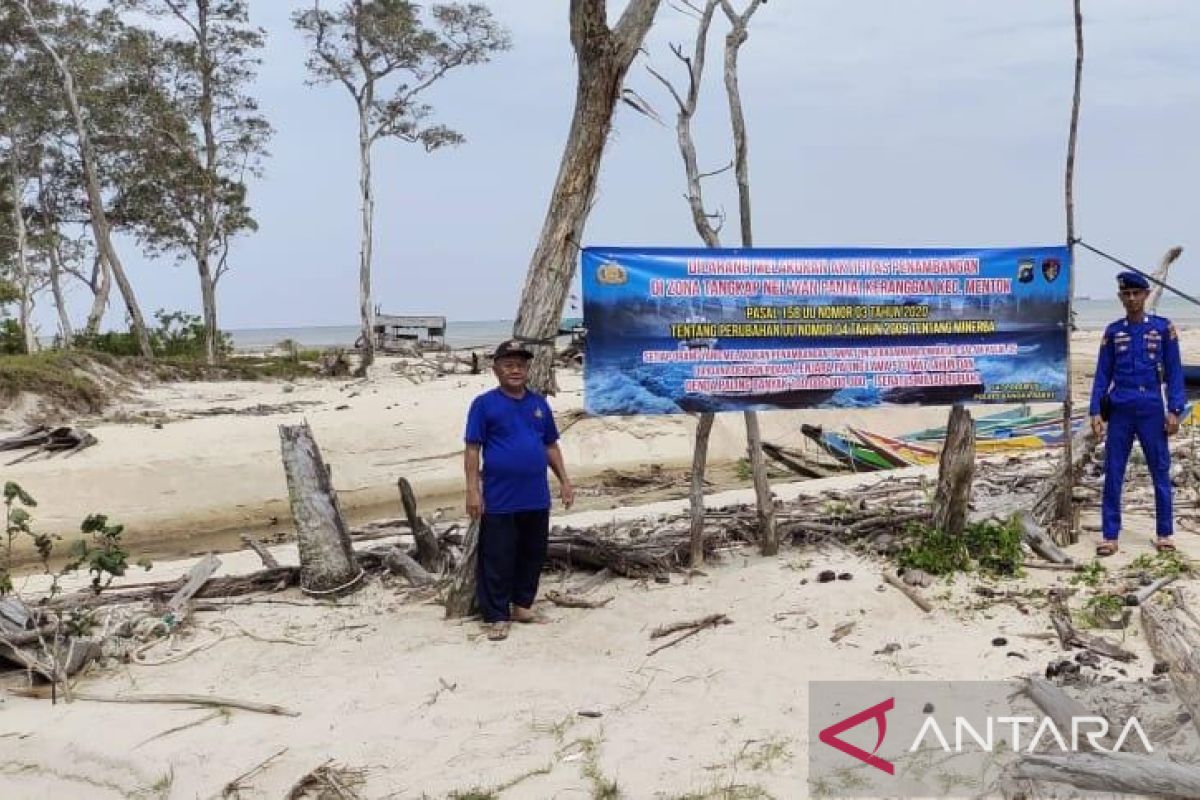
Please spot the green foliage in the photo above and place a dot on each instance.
(12, 338)
(100, 551)
(1163, 564)
(178, 335)
(992, 547)
(1091, 575)
(1100, 608)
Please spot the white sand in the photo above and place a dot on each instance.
(690, 718)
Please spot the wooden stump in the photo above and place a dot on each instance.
(956, 470)
(768, 541)
(429, 552)
(460, 600)
(327, 564)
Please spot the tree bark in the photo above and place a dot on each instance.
(1164, 269)
(96, 213)
(54, 252)
(956, 470)
(603, 58)
(101, 287)
(1063, 509)
(696, 496)
(208, 284)
(365, 308)
(769, 536)
(327, 564)
(1113, 772)
(24, 279)
(460, 599)
(429, 552)
(1177, 643)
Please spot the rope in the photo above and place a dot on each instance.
(1132, 268)
(336, 589)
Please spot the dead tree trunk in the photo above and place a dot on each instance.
(460, 599)
(956, 470)
(1164, 269)
(327, 565)
(1177, 643)
(603, 56)
(1066, 482)
(699, 458)
(1113, 772)
(429, 552)
(769, 536)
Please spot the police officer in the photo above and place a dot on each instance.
(1138, 354)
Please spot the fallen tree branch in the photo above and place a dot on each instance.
(694, 627)
(42, 693)
(909, 592)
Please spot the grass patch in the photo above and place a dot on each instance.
(60, 377)
(992, 547)
(764, 755)
(1099, 609)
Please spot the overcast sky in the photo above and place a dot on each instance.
(872, 123)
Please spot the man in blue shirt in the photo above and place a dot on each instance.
(512, 428)
(1138, 355)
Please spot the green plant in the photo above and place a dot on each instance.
(1168, 563)
(103, 555)
(1099, 609)
(1091, 575)
(742, 469)
(178, 335)
(991, 546)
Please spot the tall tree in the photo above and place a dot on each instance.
(603, 56)
(54, 29)
(388, 57)
(196, 136)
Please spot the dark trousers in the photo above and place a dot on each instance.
(1143, 421)
(512, 550)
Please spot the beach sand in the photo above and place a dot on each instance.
(425, 707)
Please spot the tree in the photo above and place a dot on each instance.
(387, 57)
(67, 25)
(197, 133)
(708, 227)
(603, 57)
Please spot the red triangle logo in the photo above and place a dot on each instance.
(876, 712)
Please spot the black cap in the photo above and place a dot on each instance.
(512, 347)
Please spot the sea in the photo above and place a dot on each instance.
(1090, 314)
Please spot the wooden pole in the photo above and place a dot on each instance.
(327, 564)
(699, 457)
(956, 470)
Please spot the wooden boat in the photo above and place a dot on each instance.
(1002, 417)
(844, 450)
(906, 452)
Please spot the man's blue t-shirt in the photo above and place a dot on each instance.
(514, 434)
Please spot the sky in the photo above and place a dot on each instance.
(890, 123)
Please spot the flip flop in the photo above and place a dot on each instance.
(1106, 548)
(1164, 545)
(497, 631)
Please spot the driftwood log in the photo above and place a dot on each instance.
(327, 565)
(460, 599)
(1035, 536)
(956, 469)
(1176, 642)
(1070, 637)
(1061, 707)
(1113, 772)
(429, 551)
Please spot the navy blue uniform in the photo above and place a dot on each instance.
(513, 434)
(1136, 360)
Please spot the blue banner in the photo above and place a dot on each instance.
(685, 330)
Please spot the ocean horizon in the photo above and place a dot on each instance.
(1090, 314)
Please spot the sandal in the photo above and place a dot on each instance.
(1106, 548)
(1163, 544)
(497, 631)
